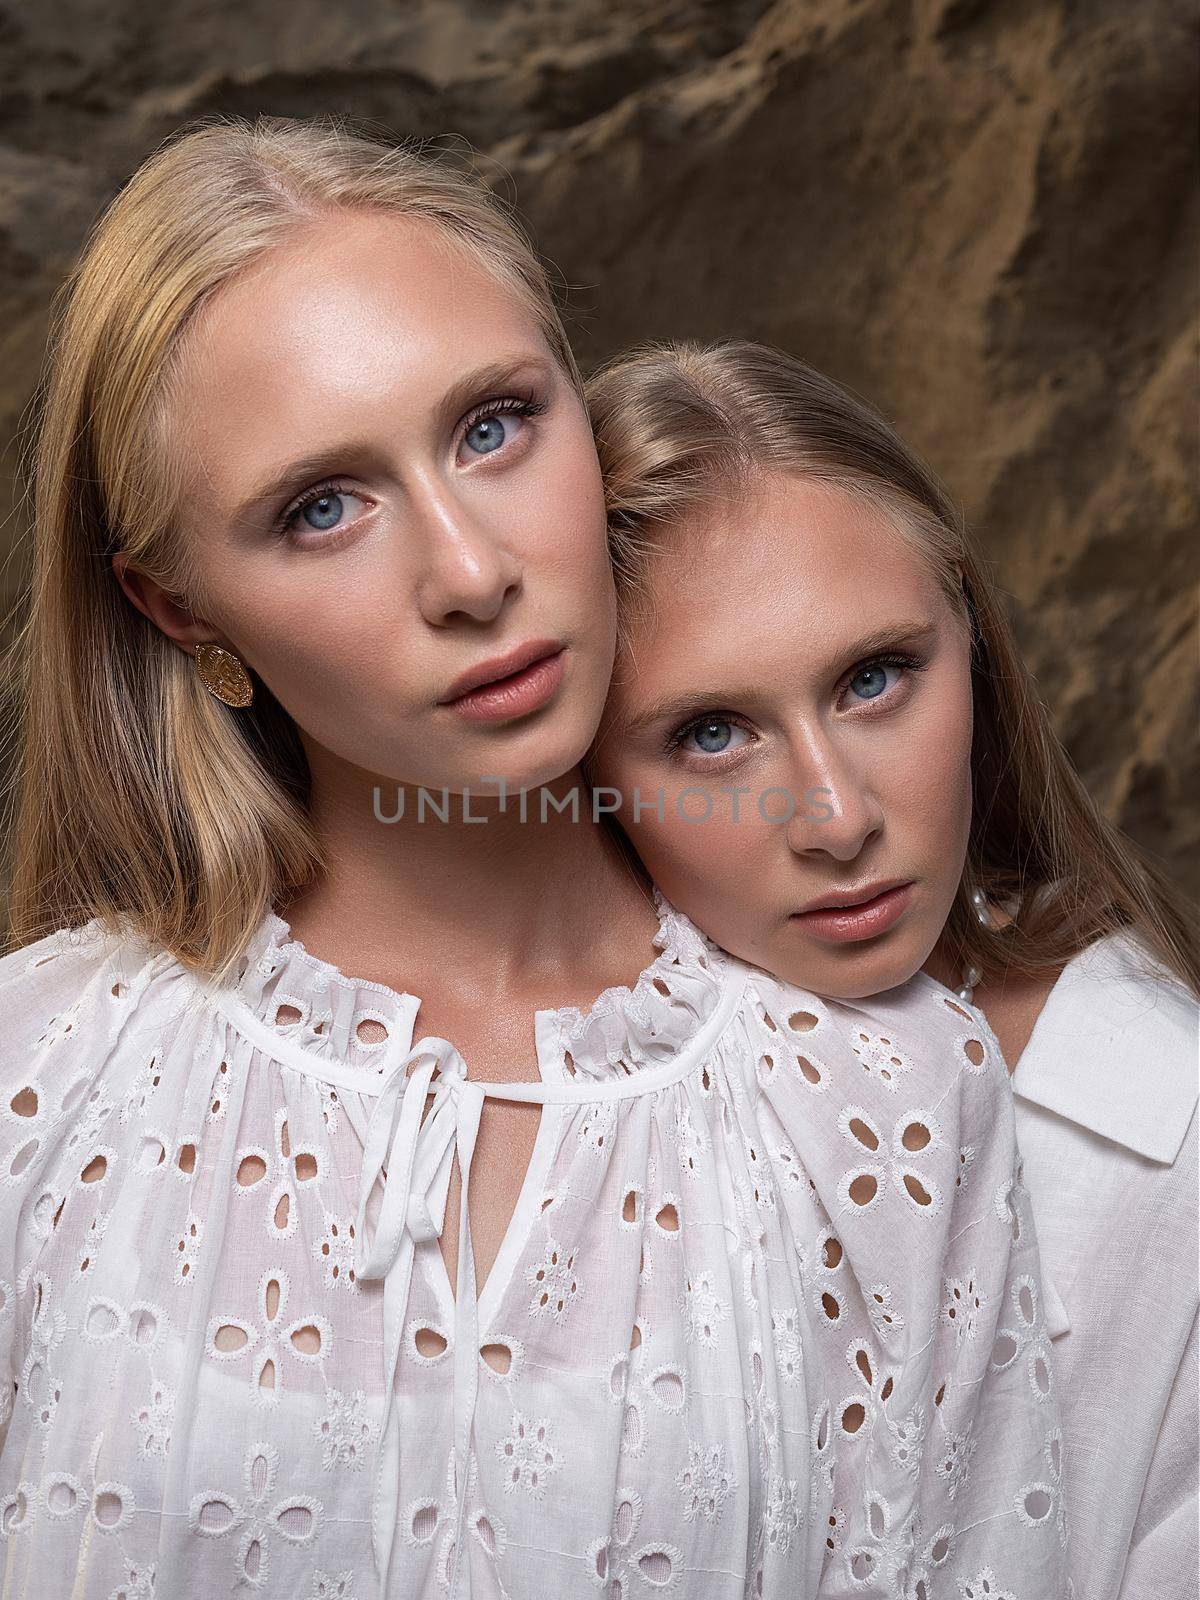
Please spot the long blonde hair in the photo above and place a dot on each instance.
(134, 795)
(679, 423)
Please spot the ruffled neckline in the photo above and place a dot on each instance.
(359, 1023)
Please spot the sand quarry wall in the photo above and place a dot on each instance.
(981, 214)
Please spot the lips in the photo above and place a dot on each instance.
(867, 919)
(848, 899)
(498, 667)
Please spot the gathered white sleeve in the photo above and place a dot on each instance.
(924, 1294)
(52, 1000)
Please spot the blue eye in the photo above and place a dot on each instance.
(323, 509)
(713, 736)
(486, 435)
(870, 682)
(496, 423)
(324, 513)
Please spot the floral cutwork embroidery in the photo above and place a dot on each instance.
(787, 1161)
(1034, 1503)
(962, 1305)
(294, 1517)
(332, 1586)
(527, 1455)
(335, 1252)
(153, 1422)
(705, 1483)
(984, 1587)
(613, 1564)
(691, 1142)
(48, 1328)
(704, 1309)
(91, 1241)
(597, 1124)
(555, 1283)
(916, 1133)
(881, 1059)
(954, 1460)
(858, 1413)
(187, 1249)
(346, 1431)
(16, 1510)
(885, 1549)
(785, 1326)
(606, 1560)
(908, 1439)
(781, 1516)
(307, 1340)
(61, 1026)
(137, 1583)
(886, 1318)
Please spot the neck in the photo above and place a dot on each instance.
(942, 970)
(467, 887)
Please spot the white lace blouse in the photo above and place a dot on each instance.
(766, 1323)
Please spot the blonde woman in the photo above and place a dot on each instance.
(322, 623)
(810, 618)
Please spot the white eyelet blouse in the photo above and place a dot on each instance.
(766, 1323)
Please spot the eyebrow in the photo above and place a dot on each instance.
(295, 474)
(676, 707)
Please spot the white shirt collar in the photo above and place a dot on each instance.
(1115, 1049)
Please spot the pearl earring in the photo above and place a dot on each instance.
(972, 974)
(983, 911)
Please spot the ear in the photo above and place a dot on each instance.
(168, 614)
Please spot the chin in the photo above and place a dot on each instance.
(856, 977)
(849, 989)
(542, 759)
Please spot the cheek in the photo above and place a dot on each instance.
(561, 506)
(322, 643)
(927, 777)
(702, 862)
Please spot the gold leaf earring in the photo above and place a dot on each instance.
(224, 675)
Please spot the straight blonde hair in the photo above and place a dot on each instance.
(134, 795)
(679, 424)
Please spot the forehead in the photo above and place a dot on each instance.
(789, 561)
(357, 316)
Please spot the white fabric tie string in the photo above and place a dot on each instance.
(417, 1158)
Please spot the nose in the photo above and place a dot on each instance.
(837, 810)
(469, 570)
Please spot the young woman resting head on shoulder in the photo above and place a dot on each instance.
(830, 754)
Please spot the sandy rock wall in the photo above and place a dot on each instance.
(982, 214)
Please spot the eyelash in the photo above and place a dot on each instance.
(515, 405)
(889, 658)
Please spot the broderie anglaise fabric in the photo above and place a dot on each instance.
(766, 1323)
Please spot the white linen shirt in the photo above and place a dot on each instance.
(766, 1322)
(1105, 1094)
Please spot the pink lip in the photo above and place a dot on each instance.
(516, 695)
(841, 925)
(849, 898)
(513, 661)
